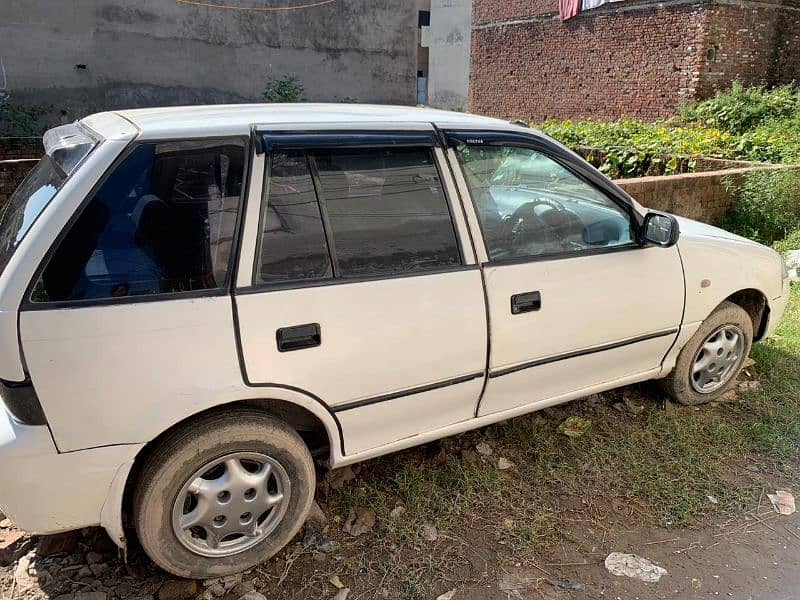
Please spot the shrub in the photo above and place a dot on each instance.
(741, 109)
(790, 242)
(767, 206)
(16, 120)
(284, 89)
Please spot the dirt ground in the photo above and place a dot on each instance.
(754, 554)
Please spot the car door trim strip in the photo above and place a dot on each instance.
(409, 392)
(576, 353)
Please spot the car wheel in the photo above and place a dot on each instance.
(711, 360)
(223, 493)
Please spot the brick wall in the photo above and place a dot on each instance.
(17, 157)
(636, 58)
(12, 172)
(699, 196)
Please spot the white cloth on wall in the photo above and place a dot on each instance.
(590, 4)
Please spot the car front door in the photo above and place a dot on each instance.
(355, 287)
(575, 302)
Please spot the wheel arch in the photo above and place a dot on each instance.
(754, 302)
(307, 415)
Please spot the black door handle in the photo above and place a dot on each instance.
(298, 337)
(527, 302)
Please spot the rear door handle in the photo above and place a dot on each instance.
(298, 337)
(527, 302)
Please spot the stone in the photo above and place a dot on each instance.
(316, 516)
(242, 589)
(123, 590)
(83, 596)
(60, 543)
(178, 589)
(504, 464)
(429, 532)
(11, 541)
(231, 581)
(483, 449)
(360, 521)
(217, 590)
(94, 558)
(397, 512)
(253, 596)
(338, 477)
(99, 569)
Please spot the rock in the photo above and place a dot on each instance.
(83, 572)
(748, 362)
(314, 540)
(447, 595)
(338, 477)
(99, 569)
(231, 581)
(398, 511)
(61, 543)
(429, 532)
(253, 596)
(360, 521)
(242, 589)
(631, 565)
(178, 589)
(316, 516)
(342, 594)
(504, 464)
(94, 558)
(22, 576)
(11, 541)
(483, 449)
(793, 259)
(83, 596)
(123, 590)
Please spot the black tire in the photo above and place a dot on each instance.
(678, 383)
(191, 446)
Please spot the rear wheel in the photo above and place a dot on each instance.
(223, 493)
(712, 359)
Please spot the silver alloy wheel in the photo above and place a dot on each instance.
(717, 359)
(230, 504)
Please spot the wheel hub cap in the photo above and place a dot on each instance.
(717, 359)
(230, 504)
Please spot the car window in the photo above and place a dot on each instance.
(292, 241)
(162, 222)
(530, 205)
(387, 210)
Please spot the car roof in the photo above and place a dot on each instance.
(237, 119)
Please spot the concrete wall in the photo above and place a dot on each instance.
(700, 196)
(448, 39)
(162, 52)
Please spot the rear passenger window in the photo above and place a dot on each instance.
(388, 213)
(292, 244)
(351, 213)
(163, 222)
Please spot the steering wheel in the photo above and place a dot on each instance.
(525, 226)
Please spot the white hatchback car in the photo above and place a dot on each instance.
(193, 299)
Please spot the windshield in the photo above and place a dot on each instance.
(66, 147)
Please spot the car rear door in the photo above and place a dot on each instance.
(355, 285)
(575, 302)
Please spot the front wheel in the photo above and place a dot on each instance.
(223, 493)
(712, 359)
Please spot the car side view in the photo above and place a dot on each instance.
(194, 300)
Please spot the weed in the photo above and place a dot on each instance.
(284, 89)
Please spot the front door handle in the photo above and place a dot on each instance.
(298, 337)
(527, 302)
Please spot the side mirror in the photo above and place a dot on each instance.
(660, 229)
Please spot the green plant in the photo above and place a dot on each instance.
(741, 109)
(790, 242)
(16, 120)
(767, 205)
(284, 89)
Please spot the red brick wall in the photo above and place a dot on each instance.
(755, 43)
(603, 64)
(636, 58)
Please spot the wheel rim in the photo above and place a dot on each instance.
(717, 359)
(231, 504)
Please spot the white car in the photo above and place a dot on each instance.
(192, 300)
